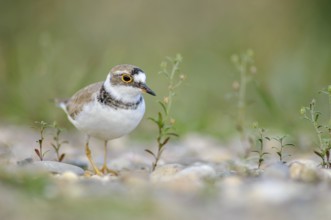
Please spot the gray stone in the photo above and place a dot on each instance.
(274, 191)
(277, 170)
(177, 178)
(305, 170)
(197, 172)
(25, 162)
(165, 172)
(54, 167)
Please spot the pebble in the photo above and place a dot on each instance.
(277, 170)
(326, 174)
(165, 172)
(129, 161)
(273, 191)
(68, 176)
(178, 178)
(105, 178)
(230, 188)
(137, 179)
(197, 172)
(206, 148)
(304, 170)
(54, 167)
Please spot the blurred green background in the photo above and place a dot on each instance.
(53, 48)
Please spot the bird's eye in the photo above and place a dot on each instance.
(127, 78)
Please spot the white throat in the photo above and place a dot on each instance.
(123, 93)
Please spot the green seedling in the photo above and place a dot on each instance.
(164, 122)
(323, 131)
(244, 64)
(281, 147)
(58, 143)
(260, 145)
(39, 151)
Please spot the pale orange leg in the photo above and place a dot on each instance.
(89, 157)
(104, 168)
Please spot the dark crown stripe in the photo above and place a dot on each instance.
(107, 99)
(136, 71)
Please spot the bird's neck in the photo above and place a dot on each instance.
(111, 98)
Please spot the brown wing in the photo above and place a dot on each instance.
(75, 104)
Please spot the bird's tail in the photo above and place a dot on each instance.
(61, 103)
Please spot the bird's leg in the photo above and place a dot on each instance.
(104, 168)
(89, 157)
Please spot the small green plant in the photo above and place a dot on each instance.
(260, 144)
(58, 143)
(39, 151)
(244, 63)
(164, 122)
(281, 147)
(327, 92)
(323, 131)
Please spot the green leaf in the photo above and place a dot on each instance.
(172, 134)
(153, 120)
(165, 141)
(61, 157)
(166, 129)
(163, 107)
(317, 116)
(318, 154)
(150, 152)
(37, 152)
(260, 140)
(160, 120)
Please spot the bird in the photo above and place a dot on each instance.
(108, 110)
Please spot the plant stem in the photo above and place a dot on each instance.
(281, 150)
(164, 122)
(315, 125)
(242, 93)
(171, 86)
(158, 156)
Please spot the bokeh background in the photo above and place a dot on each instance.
(53, 48)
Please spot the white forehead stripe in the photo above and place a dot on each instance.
(140, 77)
(118, 72)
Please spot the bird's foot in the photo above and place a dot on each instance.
(89, 173)
(105, 170)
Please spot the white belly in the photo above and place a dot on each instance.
(106, 123)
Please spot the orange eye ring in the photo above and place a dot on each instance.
(127, 78)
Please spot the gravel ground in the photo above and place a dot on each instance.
(198, 178)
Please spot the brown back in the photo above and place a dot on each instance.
(76, 102)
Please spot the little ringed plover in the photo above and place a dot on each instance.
(110, 109)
